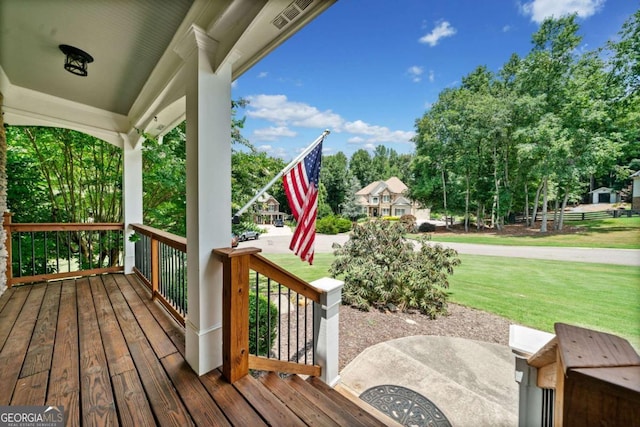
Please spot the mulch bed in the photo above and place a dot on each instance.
(362, 329)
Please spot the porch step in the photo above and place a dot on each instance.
(337, 407)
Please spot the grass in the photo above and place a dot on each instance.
(534, 293)
(619, 233)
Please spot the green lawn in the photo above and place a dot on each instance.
(535, 293)
(620, 233)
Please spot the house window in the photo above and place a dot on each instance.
(272, 208)
(399, 212)
(374, 200)
(385, 198)
(385, 211)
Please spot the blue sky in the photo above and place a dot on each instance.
(367, 69)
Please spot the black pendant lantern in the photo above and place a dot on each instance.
(76, 60)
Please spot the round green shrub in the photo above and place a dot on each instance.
(427, 227)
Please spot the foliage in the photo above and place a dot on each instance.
(381, 267)
(534, 134)
(427, 227)
(350, 207)
(267, 324)
(333, 224)
(409, 222)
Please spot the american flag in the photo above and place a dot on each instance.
(301, 188)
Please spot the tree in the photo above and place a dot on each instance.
(360, 166)
(350, 207)
(334, 176)
(380, 269)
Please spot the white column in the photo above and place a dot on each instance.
(208, 114)
(326, 328)
(131, 193)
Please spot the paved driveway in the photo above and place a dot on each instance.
(277, 240)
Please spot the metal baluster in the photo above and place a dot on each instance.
(19, 254)
(289, 325)
(269, 314)
(57, 252)
(279, 321)
(69, 251)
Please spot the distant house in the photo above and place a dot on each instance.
(604, 195)
(388, 198)
(635, 193)
(268, 210)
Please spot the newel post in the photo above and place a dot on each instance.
(235, 311)
(326, 328)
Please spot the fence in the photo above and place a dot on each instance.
(161, 263)
(46, 251)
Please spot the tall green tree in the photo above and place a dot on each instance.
(334, 176)
(361, 167)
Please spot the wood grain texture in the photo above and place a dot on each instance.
(15, 348)
(64, 382)
(234, 406)
(97, 401)
(305, 409)
(40, 350)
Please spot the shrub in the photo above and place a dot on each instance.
(333, 225)
(409, 222)
(380, 267)
(427, 227)
(267, 324)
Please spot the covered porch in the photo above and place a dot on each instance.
(111, 355)
(153, 64)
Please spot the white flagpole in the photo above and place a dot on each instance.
(282, 172)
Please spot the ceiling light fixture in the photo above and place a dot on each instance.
(76, 60)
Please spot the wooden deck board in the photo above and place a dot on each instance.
(40, 351)
(98, 403)
(15, 300)
(15, 349)
(110, 355)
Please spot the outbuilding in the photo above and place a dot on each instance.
(604, 195)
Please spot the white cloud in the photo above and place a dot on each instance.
(416, 73)
(273, 133)
(443, 29)
(377, 134)
(506, 28)
(273, 151)
(278, 109)
(355, 140)
(432, 76)
(539, 10)
(263, 74)
(286, 114)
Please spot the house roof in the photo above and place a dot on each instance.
(140, 48)
(393, 184)
(603, 190)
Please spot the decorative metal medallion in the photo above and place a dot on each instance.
(405, 406)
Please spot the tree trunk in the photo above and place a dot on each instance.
(543, 225)
(564, 205)
(444, 197)
(535, 204)
(526, 204)
(466, 205)
(556, 208)
(3, 199)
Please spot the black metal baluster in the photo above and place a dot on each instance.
(269, 314)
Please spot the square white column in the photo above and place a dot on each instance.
(131, 194)
(208, 115)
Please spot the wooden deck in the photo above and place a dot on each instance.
(102, 349)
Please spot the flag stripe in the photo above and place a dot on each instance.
(301, 187)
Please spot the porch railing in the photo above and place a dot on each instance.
(275, 320)
(161, 263)
(46, 251)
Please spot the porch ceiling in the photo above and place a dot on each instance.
(134, 81)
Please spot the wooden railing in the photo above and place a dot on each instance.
(161, 263)
(284, 293)
(46, 251)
